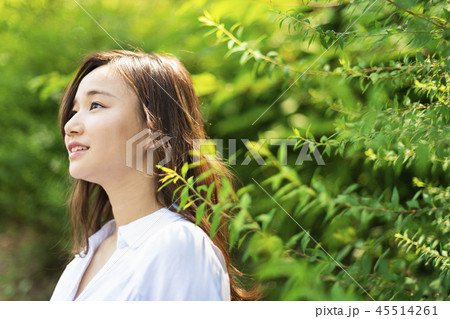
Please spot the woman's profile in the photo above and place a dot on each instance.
(129, 241)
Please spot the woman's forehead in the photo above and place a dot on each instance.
(105, 80)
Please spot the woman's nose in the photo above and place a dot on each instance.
(74, 125)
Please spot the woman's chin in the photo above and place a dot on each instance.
(75, 173)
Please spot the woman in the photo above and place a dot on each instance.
(136, 247)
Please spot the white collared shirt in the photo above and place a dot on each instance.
(160, 256)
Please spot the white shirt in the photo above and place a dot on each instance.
(160, 256)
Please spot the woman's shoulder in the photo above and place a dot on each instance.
(181, 262)
(173, 238)
(182, 227)
(180, 233)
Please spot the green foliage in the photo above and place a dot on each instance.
(386, 94)
(363, 82)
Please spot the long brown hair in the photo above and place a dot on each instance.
(170, 107)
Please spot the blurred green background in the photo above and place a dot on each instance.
(366, 80)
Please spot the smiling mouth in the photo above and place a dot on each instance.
(77, 151)
(79, 148)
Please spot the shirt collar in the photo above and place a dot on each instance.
(97, 238)
(135, 233)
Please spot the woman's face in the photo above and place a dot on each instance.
(105, 117)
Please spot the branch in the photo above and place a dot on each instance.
(328, 5)
(416, 14)
(431, 252)
(386, 210)
(312, 5)
(258, 55)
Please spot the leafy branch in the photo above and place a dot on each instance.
(243, 46)
(299, 19)
(418, 15)
(236, 45)
(192, 195)
(425, 251)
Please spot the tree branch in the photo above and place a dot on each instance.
(416, 14)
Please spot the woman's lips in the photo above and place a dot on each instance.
(77, 153)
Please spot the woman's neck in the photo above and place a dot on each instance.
(132, 196)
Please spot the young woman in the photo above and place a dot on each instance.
(130, 243)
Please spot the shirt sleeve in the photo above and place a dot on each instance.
(182, 263)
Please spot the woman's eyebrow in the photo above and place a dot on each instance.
(94, 92)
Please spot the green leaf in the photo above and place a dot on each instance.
(343, 252)
(381, 258)
(177, 191)
(184, 169)
(412, 203)
(305, 240)
(293, 240)
(216, 219)
(164, 185)
(351, 189)
(184, 197)
(243, 238)
(245, 200)
(307, 134)
(419, 56)
(366, 264)
(190, 203)
(395, 197)
(244, 58)
(236, 226)
(374, 77)
(200, 213)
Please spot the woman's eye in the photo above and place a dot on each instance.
(95, 104)
(72, 113)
